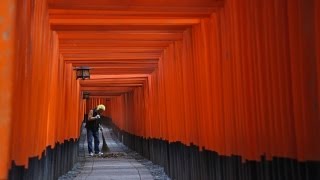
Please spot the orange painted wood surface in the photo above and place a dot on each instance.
(47, 95)
(235, 77)
(7, 55)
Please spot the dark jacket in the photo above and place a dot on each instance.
(93, 124)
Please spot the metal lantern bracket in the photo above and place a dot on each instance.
(83, 72)
(86, 95)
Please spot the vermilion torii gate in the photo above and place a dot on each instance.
(238, 79)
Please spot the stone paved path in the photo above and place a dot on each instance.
(125, 166)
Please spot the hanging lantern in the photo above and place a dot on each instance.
(83, 72)
(86, 95)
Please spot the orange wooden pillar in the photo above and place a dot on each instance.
(303, 32)
(317, 30)
(45, 89)
(7, 34)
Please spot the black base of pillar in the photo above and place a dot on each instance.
(53, 163)
(189, 163)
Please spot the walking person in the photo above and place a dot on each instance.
(92, 126)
